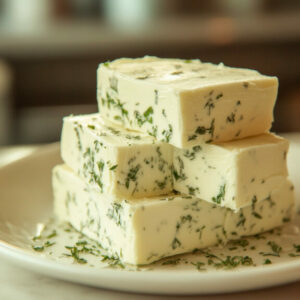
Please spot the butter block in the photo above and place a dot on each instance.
(277, 208)
(186, 102)
(143, 231)
(234, 173)
(114, 160)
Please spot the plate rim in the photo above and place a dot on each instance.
(221, 278)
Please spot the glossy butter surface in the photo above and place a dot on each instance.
(114, 160)
(143, 231)
(186, 102)
(232, 174)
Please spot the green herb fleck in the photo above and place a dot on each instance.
(192, 137)
(100, 165)
(113, 261)
(242, 243)
(230, 262)
(52, 234)
(293, 255)
(76, 129)
(156, 96)
(168, 133)
(230, 118)
(191, 154)
(115, 213)
(201, 130)
(256, 215)
(192, 190)
(200, 230)
(113, 167)
(162, 184)
(219, 96)
(183, 220)
(132, 175)
(275, 248)
(153, 132)
(176, 243)
(91, 127)
(242, 220)
(209, 105)
(146, 117)
(74, 252)
(148, 112)
(173, 262)
(179, 175)
(297, 247)
(199, 265)
(267, 262)
(38, 248)
(221, 196)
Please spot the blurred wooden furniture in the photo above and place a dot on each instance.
(55, 67)
(5, 103)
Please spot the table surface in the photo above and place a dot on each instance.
(18, 283)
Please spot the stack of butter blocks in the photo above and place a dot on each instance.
(178, 158)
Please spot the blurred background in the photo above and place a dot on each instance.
(50, 49)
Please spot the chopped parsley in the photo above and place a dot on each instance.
(168, 133)
(52, 234)
(201, 130)
(156, 96)
(115, 213)
(179, 175)
(145, 117)
(38, 248)
(132, 175)
(162, 184)
(113, 261)
(74, 253)
(230, 118)
(297, 247)
(183, 220)
(199, 265)
(221, 196)
(242, 220)
(256, 215)
(175, 243)
(173, 262)
(191, 154)
(267, 262)
(113, 167)
(91, 126)
(242, 243)
(192, 190)
(276, 249)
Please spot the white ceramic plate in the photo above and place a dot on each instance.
(26, 200)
